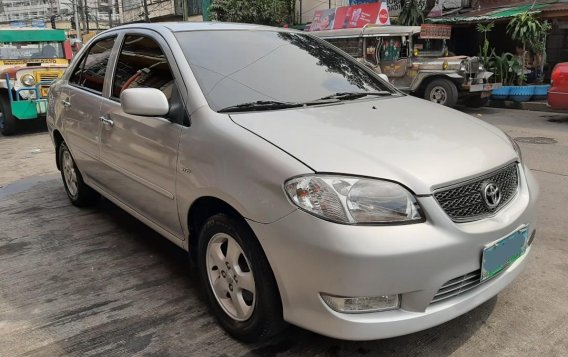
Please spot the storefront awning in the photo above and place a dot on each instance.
(488, 15)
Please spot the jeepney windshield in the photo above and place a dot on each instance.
(429, 47)
(31, 50)
(392, 48)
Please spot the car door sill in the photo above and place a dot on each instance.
(147, 221)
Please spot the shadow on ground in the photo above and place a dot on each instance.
(97, 281)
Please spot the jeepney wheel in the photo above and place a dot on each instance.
(442, 91)
(8, 123)
(476, 101)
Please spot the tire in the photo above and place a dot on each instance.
(8, 123)
(476, 101)
(442, 91)
(78, 192)
(244, 296)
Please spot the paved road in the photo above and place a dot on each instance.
(98, 282)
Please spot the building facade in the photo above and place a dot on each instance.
(27, 10)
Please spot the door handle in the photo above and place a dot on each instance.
(66, 103)
(107, 121)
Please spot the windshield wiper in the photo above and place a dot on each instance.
(353, 95)
(259, 105)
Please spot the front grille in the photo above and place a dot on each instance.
(458, 286)
(464, 202)
(474, 66)
(48, 77)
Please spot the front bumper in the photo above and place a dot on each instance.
(484, 87)
(310, 256)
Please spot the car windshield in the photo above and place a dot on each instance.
(268, 67)
(31, 50)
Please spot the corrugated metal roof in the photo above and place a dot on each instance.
(489, 14)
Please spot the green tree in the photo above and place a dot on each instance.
(264, 12)
(484, 52)
(413, 12)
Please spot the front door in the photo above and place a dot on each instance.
(139, 153)
(81, 100)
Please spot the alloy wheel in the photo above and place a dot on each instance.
(70, 174)
(230, 277)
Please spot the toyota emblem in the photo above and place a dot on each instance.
(491, 195)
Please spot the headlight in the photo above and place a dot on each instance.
(463, 66)
(481, 68)
(353, 200)
(27, 80)
(516, 147)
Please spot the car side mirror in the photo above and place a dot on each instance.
(150, 102)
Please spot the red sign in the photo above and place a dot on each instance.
(355, 16)
(383, 16)
(358, 15)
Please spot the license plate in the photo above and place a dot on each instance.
(499, 255)
(485, 94)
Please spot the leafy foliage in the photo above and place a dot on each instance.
(525, 28)
(411, 14)
(531, 32)
(484, 52)
(264, 12)
(507, 68)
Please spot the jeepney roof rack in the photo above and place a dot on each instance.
(368, 30)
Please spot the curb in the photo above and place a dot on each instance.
(537, 106)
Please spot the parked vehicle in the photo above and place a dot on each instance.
(558, 92)
(307, 189)
(416, 64)
(30, 60)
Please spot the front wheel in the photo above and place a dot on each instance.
(442, 91)
(8, 123)
(239, 283)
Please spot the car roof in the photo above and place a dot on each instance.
(370, 30)
(200, 26)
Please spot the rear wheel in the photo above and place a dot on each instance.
(78, 192)
(8, 123)
(240, 285)
(442, 91)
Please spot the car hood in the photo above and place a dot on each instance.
(420, 144)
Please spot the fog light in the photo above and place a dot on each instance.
(354, 305)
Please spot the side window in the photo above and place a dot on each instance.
(142, 63)
(90, 72)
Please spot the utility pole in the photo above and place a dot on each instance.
(77, 23)
(110, 5)
(86, 12)
(97, 15)
(146, 17)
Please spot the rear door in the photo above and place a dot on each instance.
(139, 153)
(82, 100)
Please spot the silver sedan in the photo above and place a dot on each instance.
(307, 189)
